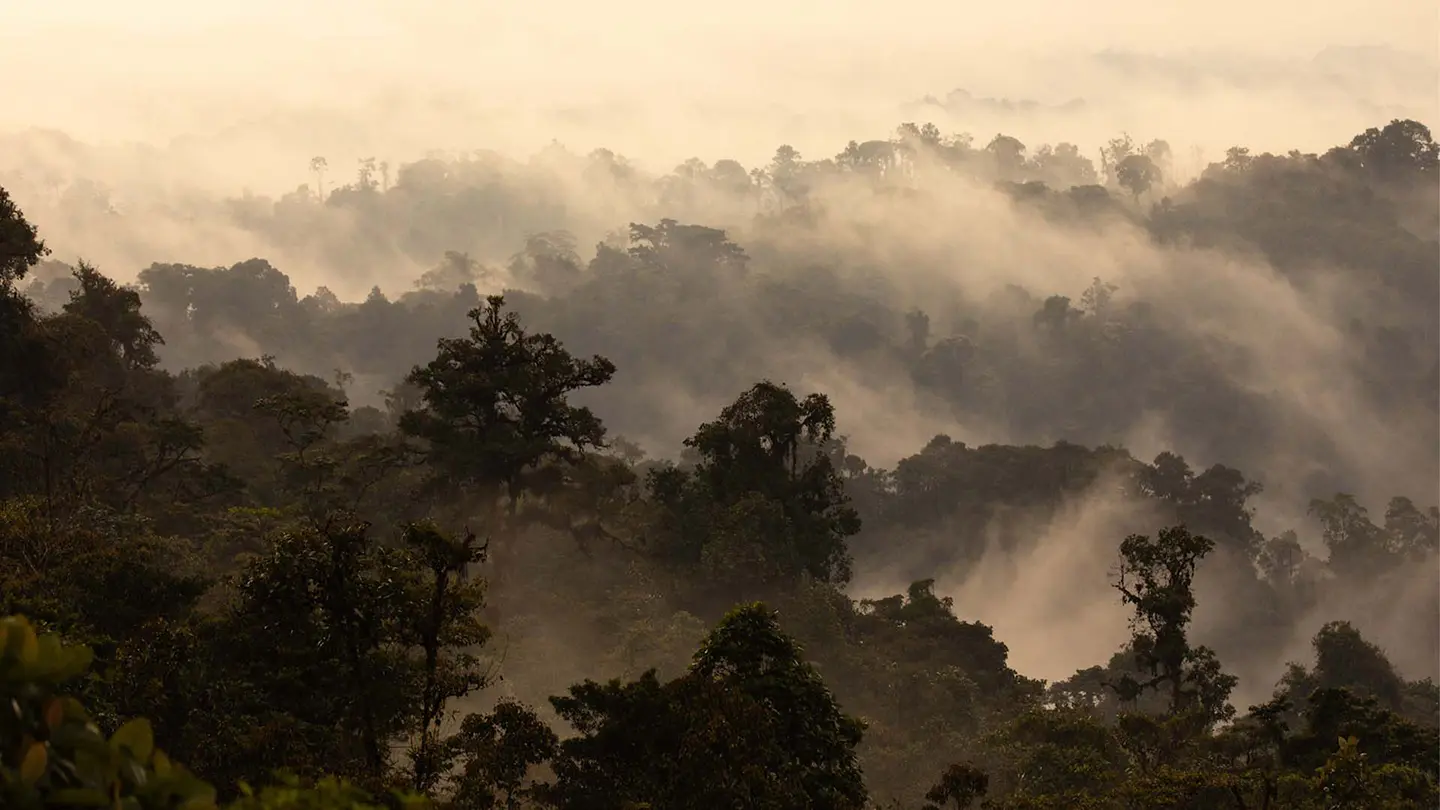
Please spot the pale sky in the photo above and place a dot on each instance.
(153, 70)
(1410, 24)
(620, 38)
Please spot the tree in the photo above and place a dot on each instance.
(1137, 174)
(873, 159)
(926, 136)
(365, 175)
(496, 405)
(20, 245)
(1402, 149)
(920, 625)
(959, 786)
(95, 574)
(318, 167)
(762, 488)
(97, 423)
(1062, 166)
(750, 725)
(1238, 159)
(757, 442)
(1056, 314)
(1331, 712)
(1057, 758)
(1282, 560)
(1159, 152)
(496, 752)
(274, 429)
(1112, 154)
(52, 754)
(688, 252)
(1156, 578)
(1345, 660)
(1009, 156)
(1097, 297)
(917, 328)
(1357, 546)
(1347, 780)
(786, 173)
(235, 542)
(27, 371)
(1412, 534)
(455, 270)
(549, 260)
(349, 648)
(446, 629)
(117, 310)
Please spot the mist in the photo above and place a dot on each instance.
(167, 133)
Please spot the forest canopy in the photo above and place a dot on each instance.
(931, 474)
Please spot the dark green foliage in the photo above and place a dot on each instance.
(496, 403)
(959, 787)
(117, 311)
(344, 646)
(52, 755)
(99, 575)
(921, 626)
(329, 793)
(1388, 739)
(496, 752)
(1156, 577)
(27, 372)
(1058, 755)
(1344, 660)
(751, 724)
(20, 245)
(763, 500)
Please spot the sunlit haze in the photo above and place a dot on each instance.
(663, 82)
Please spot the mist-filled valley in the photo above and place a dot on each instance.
(1074, 443)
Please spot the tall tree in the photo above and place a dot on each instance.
(496, 405)
(763, 484)
(1156, 578)
(1137, 174)
(318, 166)
(349, 648)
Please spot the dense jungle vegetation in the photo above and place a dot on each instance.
(478, 584)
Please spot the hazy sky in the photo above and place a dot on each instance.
(737, 77)
(577, 42)
(1408, 24)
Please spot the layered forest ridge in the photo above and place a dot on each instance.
(939, 473)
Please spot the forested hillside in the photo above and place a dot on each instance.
(928, 475)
